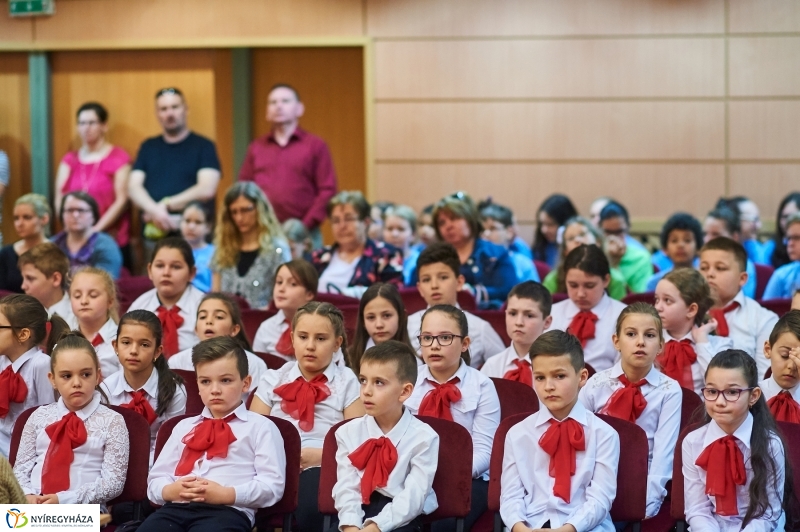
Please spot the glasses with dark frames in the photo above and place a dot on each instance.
(730, 395)
(444, 340)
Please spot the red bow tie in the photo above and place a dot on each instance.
(522, 373)
(784, 408)
(284, 346)
(377, 458)
(12, 390)
(437, 401)
(299, 397)
(212, 437)
(583, 326)
(627, 402)
(141, 406)
(722, 322)
(65, 435)
(560, 441)
(171, 321)
(676, 361)
(724, 465)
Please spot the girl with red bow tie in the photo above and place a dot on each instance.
(781, 389)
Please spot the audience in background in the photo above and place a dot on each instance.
(399, 230)
(749, 224)
(632, 260)
(681, 239)
(45, 276)
(377, 212)
(31, 222)
(775, 250)
(426, 234)
(499, 228)
(724, 221)
(785, 281)
(196, 225)
(553, 213)
(299, 239)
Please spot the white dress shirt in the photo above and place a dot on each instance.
(599, 351)
(255, 466)
(503, 362)
(526, 493)
(33, 366)
(705, 352)
(478, 410)
(660, 419)
(255, 366)
(270, 331)
(98, 470)
(770, 388)
(109, 361)
(342, 383)
(700, 508)
(749, 326)
(120, 392)
(484, 340)
(64, 309)
(410, 482)
(337, 274)
(188, 304)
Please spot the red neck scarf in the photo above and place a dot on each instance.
(299, 397)
(724, 465)
(12, 390)
(171, 321)
(784, 407)
(522, 373)
(676, 361)
(212, 437)
(583, 326)
(436, 402)
(65, 435)
(719, 315)
(560, 441)
(284, 346)
(97, 340)
(377, 458)
(627, 402)
(141, 406)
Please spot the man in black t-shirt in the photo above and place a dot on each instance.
(173, 168)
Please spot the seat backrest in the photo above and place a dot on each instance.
(515, 398)
(252, 319)
(16, 433)
(350, 314)
(690, 404)
(466, 301)
(194, 404)
(412, 299)
(589, 369)
(497, 319)
(496, 461)
(135, 488)
(291, 444)
(272, 361)
(165, 431)
(778, 306)
(791, 435)
(678, 504)
(542, 268)
(129, 288)
(559, 296)
(328, 474)
(630, 503)
(763, 274)
(338, 300)
(242, 302)
(644, 297)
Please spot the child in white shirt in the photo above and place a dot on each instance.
(45, 273)
(93, 295)
(782, 389)
(381, 317)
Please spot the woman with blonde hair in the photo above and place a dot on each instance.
(250, 245)
(32, 217)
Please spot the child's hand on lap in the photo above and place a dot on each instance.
(215, 493)
(172, 492)
(48, 499)
(32, 499)
(310, 457)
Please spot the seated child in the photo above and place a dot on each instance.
(299, 239)
(449, 388)
(783, 351)
(399, 230)
(387, 459)
(578, 449)
(217, 468)
(499, 228)
(381, 317)
(723, 221)
(74, 451)
(723, 488)
(145, 383)
(439, 282)
(527, 317)
(93, 295)
(174, 300)
(786, 279)
(195, 226)
(634, 390)
(45, 271)
(743, 320)
(588, 312)
(750, 223)
(632, 260)
(681, 237)
(314, 394)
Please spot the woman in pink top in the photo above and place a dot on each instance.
(101, 170)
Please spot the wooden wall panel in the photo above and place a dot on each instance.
(765, 66)
(763, 16)
(765, 130)
(15, 133)
(550, 68)
(14, 31)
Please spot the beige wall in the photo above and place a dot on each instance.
(665, 104)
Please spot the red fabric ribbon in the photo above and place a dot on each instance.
(284, 345)
(560, 441)
(719, 315)
(676, 361)
(12, 390)
(522, 373)
(171, 321)
(784, 407)
(141, 406)
(212, 437)
(724, 465)
(97, 340)
(377, 458)
(299, 397)
(437, 401)
(583, 326)
(65, 435)
(627, 402)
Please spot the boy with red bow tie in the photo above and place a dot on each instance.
(781, 389)
(723, 263)
(386, 460)
(560, 464)
(217, 468)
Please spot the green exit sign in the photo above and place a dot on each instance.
(30, 8)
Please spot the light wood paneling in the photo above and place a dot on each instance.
(765, 130)
(446, 18)
(766, 184)
(14, 31)
(546, 130)
(15, 133)
(765, 66)
(764, 16)
(550, 69)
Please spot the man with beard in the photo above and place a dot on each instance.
(172, 169)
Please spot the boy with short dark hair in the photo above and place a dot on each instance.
(724, 221)
(723, 263)
(45, 274)
(386, 460)
(440, 280)
(499, 228)
(560, 464)
(217, 468)
(681, 238)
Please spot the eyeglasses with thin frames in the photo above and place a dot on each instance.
(731, 394)
(444, 340)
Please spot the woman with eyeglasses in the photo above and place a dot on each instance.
(32, 218)
(354, 261)
(83, 245)
(100, 169)
(250, 245)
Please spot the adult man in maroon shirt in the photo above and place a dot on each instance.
(292, 167)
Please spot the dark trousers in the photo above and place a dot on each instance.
(196, 517)
(307, 514)
(376, 504)
(480, 498)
